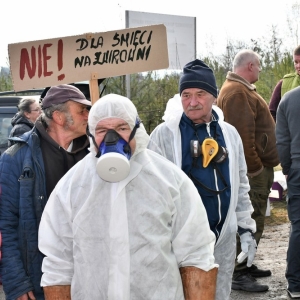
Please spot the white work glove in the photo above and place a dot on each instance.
(249, 246)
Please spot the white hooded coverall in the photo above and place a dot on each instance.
(166, 140)
(124, 240)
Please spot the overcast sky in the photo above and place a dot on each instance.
(217, 21)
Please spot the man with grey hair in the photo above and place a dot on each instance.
(29, 110)
(29, 170)
(248, 112)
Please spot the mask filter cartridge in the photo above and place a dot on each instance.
(113, 164)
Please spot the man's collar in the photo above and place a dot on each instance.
(235, 77)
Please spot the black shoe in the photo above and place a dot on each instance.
(245, 282)
(254, 271)
(293, 295)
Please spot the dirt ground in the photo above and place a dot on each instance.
(271, 254)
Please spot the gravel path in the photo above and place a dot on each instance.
(271, 254)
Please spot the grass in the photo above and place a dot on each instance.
(277, 168)
(278, 213)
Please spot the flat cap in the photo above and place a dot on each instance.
(63, 93)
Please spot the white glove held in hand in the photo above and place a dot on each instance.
(249, 246)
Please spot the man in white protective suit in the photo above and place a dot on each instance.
(210, 151)
(125, 223)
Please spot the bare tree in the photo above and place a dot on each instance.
(293, 22)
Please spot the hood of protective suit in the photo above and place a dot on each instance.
(174, 110)
(219, 111)
(116, 106)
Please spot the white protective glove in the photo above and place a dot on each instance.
(249, 246)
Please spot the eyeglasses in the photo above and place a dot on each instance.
(37, 109)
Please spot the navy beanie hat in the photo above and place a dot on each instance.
(196, 74)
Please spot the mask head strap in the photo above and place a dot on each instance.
(136, 126)
(132, 134)
(93, 139)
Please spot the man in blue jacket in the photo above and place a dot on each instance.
(29, 172)
(195, 137)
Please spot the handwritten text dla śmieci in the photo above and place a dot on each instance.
(137, 43)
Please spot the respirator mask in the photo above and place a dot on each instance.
(113, 163)
(113, 155)
(210, 150)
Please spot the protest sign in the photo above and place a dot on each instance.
(90, 56)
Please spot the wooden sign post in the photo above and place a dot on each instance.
(94, 88)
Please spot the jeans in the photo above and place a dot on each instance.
(260, 187)
(293, 207)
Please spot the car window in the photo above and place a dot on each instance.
(5, 127)
(8, 109)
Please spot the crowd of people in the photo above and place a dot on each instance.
(93, 207)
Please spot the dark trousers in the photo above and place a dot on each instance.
(260, 187)
(293, 253)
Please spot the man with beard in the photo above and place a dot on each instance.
(29, 172)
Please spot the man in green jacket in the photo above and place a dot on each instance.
(289, 82)
(248, 112)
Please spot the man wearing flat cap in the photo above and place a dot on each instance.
(29, 170)
(210, 151)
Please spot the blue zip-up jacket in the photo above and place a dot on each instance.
(22, 200)
(213, 179)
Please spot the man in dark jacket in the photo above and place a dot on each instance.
(24, 119)
(288, 145)
(248, 112)
(29, 171)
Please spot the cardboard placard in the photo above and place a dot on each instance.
(43, 63)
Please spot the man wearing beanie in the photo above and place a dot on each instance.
(248, 112)
(29, 170)
(210, 151)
